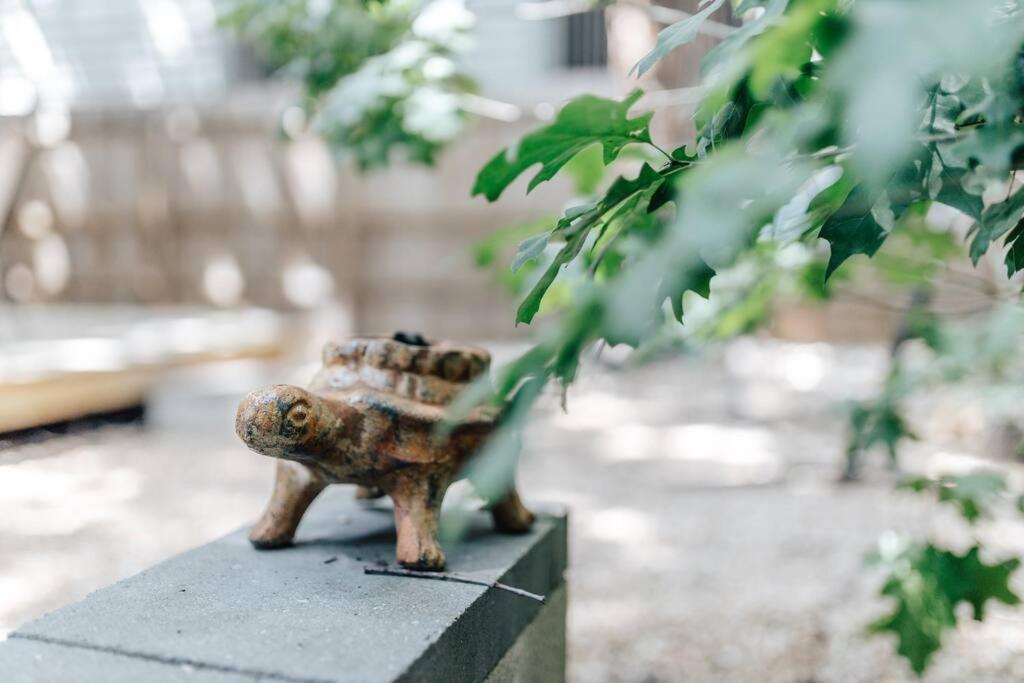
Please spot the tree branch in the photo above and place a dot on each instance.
(448, 576)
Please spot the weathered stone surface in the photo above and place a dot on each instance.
(31, 661)
(308, 613)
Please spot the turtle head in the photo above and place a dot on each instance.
(281, 421)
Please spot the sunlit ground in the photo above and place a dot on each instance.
(709, 539)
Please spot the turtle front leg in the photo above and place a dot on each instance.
(295, 487)
(417, 502)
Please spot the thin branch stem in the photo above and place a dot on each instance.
(659, 148)
(448, 576)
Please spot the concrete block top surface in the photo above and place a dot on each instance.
(308, 612)
(32, 661)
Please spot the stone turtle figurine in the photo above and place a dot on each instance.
(369, 418)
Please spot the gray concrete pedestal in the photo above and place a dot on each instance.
(225, 613)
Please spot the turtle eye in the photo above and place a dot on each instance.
(297, 414)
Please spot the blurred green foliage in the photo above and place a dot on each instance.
(827, 131)
(980, 351)
(970, 493)
(822, 122)
(927, 583)
(378, 75)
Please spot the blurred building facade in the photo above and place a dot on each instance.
(142, 161)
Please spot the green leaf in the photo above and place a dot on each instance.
(730, 51)
(921, 616)
(927, 584)
(531, 303)
(866, 212)
(968, 579)
(487, 250)
(723, 115)
(492, 470)
(916, 484)
(576, 226)
(676, 35)
(832, 197)
(1015, 250)
(665, 193)
(954, 195)
(623, 188)
(852, 229)
(696, 279)
(994, 147)
(573, 340)
(996, 221)
(586, 170)
(971, 493)
(785, 48)
(584, 121)
(529, 249)
(877, 423)
(529, 364)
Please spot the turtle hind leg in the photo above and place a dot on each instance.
(510, 515)
(295, 487)
(417, 501)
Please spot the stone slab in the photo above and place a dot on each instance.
(309, 613)
(31, 661)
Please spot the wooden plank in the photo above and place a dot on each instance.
(62, 396)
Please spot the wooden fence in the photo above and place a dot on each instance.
(190, 206)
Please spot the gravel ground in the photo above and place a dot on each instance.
(709, 538)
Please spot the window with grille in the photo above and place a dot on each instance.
(586, 40)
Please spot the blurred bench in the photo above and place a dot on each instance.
(62, 363)
(226, 613)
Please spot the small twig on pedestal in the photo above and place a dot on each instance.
(447, 576)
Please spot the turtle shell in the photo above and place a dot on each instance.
(428, 375)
